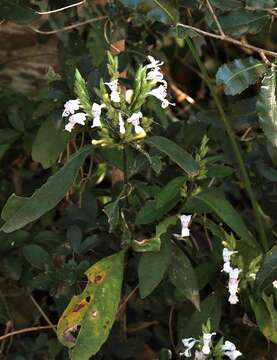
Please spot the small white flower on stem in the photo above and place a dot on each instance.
(207, 337)
(134, 119)
(229, 350)
(74, 119)
(114, 95)
(153, 63)
(128, 95)
(189, 344)
(233, 285)
(274, 284)
(121, 124)
(96, 113)
(70, 107)
(226, 253)
(156, 75)
(160, 93)
(185, 220)
(199, 355)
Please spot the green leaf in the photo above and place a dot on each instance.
(48, 144)
(217, 202)
(81, 91)
(47, 197)
(247, 22)
(266, 315)
(152, 267)
(268, 270)
(20, 14)
(112, 212)
(8, 136)
(178, 155)
(220, 171)
(182, 276)
(261, 4)
(74, 236)
(36, 256)
(170, 8)
(88, 319)
(191, 326)
(145, 245)
(226, 5)
(267, 107)
(170, 190)
(13, 203)
(239, 74)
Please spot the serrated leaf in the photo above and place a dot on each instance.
(152, 267)
(239, 74)
(217, 202)
(182, 276)
(88, 319)
(81, 91)
(268, 270)
(45, 198)
(177, 154)
(267, 107)
(48, 144)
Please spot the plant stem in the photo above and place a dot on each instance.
(235, 146)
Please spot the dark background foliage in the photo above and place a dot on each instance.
(42, 264)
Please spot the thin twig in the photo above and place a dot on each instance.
(46, 318)
(211, 10)
(66, 28)
(60, 9)
(22, 331)
(170, 320)
(230, 40)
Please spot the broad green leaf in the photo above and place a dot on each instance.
(239, 74)
(152, 267)
(168, 7)
(36, 256)
(217, 202)
(266, 315)
(89, 317)
(267, 107)
(48, 144)
(13, 203)
(220, 171)
(191, 326)
(261, 4)
(246, 22)
(182, 276)
(81, 91)
(177, 154)
(268, 270)
(112, 212)
(47, 197)
(227, 4)
(20, 14)
(170, 190)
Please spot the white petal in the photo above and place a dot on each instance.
(69, 127)
(228, 346)
(121, 124)
(96, 122)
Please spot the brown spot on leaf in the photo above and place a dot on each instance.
(77, 307)
(106, 324)
(94, 314)
(98, 278)
(71, 333)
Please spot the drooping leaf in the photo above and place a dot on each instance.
(36, 256)
(267, 107)
(251, 22)
(239, 74)
(81, 91)
(217, 202)
(182, 276)
(87, 320)
(175, 153)
(48, 144)
(45, 198)
(152, 267)
(266, 315)
(191, 326)
(268, 270)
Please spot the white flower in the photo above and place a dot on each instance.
(114, 95)
(185, 220)
(206, 342)
(189, 344)
(274, 284)
(153, 63)
(199, 355)
(121, 124)
(70, 107)
(74, 119)
(134, 119)
(128, 95)
(160, 94)
(229, 350)
(226, 253)
(233, 285)
(96, 113)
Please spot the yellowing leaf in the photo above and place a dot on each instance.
(88, 319)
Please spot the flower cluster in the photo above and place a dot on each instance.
(74, 118)
(115, 106)
(204, 348)
(233, 284)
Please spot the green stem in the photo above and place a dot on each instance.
(235, 146)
